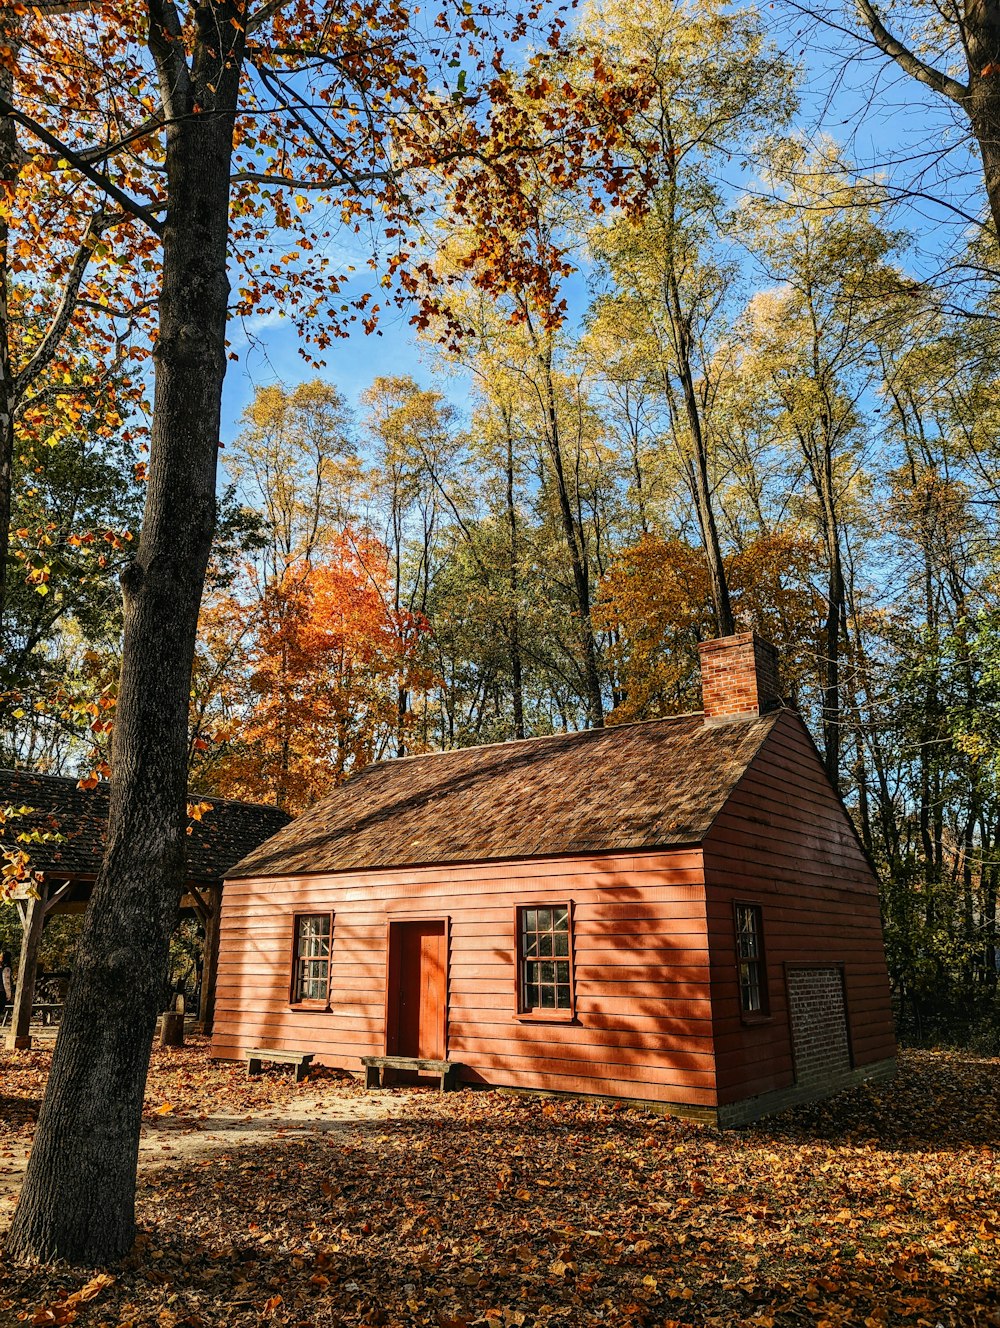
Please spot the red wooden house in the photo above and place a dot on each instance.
(677, 912)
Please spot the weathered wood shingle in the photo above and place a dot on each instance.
(227, 831)
(635, 786)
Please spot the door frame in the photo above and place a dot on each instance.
(390, 1023)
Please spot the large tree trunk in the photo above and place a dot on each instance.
(10, 29)
(982, 45)
(77, 1202)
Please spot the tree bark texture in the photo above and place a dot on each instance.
(77, 1202)
(10, 29)
(982, 45)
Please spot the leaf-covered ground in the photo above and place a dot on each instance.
(478, 1208)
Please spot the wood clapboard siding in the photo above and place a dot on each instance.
(643, 1026)
(784, 841)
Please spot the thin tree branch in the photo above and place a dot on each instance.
(91, 155)
(261, 16)
(345, 177)
(38, 131)
(64, 312)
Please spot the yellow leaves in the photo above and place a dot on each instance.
(164, 1109)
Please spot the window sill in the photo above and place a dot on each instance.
(751, 1020)
(318, 1007)
(545, 1017)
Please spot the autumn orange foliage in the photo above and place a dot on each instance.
(655, 603)
(324, 658)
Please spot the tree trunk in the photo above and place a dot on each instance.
(514, 617)
(19, 1037)
(577, 552)
(982, 45)
(831, 661)
(78, 1198)
(10, 29)
(681, 334)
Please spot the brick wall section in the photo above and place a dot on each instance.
(739, 676)
(819, 1025)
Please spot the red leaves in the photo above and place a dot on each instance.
(325, 666)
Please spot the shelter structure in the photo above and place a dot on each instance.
(76, 820)
(677, 912)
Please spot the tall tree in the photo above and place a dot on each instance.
(719, 85)
(808, 347)
(286, 102)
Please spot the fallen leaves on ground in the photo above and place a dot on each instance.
(485, 1210)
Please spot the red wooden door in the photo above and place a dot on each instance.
(422, 989)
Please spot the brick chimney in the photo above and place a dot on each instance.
(739, 676)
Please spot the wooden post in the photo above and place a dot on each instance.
(19, 1037)
(172, 1028)
(210, 960)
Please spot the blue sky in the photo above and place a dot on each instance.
(880, 116)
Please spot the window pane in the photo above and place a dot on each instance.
(750, 953)
(546, 979)
(312, 957)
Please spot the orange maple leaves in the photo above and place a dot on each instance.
(324, 662)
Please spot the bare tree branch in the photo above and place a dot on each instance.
(266, 11)
(907, 61)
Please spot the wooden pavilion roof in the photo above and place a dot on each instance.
(227, 831)
(630, 787)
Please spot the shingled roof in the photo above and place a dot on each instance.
(635, 786)
(226, 833)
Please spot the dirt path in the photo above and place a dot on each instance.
(168, 1139)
